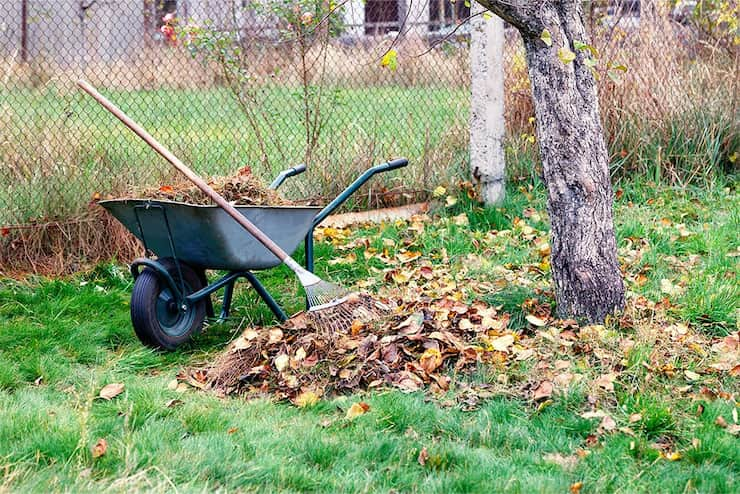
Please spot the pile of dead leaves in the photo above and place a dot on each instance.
(417, 347)
(243, 188)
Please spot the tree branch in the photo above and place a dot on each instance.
(522, 14)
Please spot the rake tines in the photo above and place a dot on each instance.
(340, 313)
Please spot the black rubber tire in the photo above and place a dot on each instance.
(149, 295)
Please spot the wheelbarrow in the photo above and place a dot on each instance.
(171, 295)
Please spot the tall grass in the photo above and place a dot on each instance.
(672, 118)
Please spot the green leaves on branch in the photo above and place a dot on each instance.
(546, 37)
(390, 60)
(591, 57)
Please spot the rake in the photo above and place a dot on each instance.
(330, 307)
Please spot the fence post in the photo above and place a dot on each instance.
(24, 31)
(487, 129)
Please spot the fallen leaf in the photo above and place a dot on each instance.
(721, 422)
(423, 456)
(691, 376)
(357, 409)
(281, 362)
(241, 343)
(112, 390)
(306, 399)
(576, 487)
(430, 360)
(502, 343)
(608, 423)
(173, 403)
(535, 321)
(635, 417)
(672, 456)
(100, 448)
(606, 382)
(275, 335)
(543, 391)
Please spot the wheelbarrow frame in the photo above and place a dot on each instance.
(228, 281)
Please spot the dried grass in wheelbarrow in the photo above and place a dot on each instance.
(243, 188)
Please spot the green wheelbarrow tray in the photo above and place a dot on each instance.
(207, 237)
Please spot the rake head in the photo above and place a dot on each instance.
(334, 309)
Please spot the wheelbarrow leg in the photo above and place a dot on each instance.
(262, 292)
(226, 306)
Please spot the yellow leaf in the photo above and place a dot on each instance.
(390, 60)
(430, 360)
(405, 257)
(451, 201)
(565, 55)
(357, 409)
(401, 277)
(439, 191)
(546, 37)
(502, 343)
(306, 399)
(673, 456)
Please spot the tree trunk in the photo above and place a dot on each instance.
(487, 125)
(588, 282)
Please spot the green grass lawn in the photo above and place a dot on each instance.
(62, 147)
(62, 340)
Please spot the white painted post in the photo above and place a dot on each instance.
(487, 125)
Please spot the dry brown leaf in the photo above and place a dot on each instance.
(542, 391)
(606, 381)
(430, 360)
(112, 390)
(100, 448)
(608, 423)
(423, 456)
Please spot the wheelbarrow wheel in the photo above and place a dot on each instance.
(157, 319)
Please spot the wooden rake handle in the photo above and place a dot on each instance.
(182, 168)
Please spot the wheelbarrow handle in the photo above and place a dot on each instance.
(392, 165)
(352, 188)
(290, 172)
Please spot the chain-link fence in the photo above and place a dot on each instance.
(271, 83)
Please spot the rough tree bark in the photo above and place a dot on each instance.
(487, 125)
(588, 282)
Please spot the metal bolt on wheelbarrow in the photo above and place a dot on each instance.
(171, 296)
